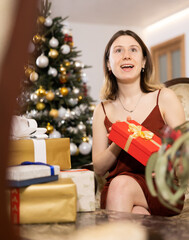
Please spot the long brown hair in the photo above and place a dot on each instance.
(147, 83)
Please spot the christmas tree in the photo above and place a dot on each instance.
(54, 91)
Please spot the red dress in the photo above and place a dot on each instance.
(127, 165)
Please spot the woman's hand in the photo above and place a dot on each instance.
(109, 130)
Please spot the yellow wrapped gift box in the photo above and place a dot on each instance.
(44, 203)
(55, 151)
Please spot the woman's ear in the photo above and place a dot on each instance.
(108, 66)
(144, 62)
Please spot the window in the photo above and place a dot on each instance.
(169, 59)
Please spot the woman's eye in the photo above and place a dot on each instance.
(133, 50)
(118, 50)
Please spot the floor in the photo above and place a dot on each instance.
(109, 225)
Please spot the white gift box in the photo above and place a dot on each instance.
(85, 186)
(25, 175)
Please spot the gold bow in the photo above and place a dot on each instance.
(137, 132)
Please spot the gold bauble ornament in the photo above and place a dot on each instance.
(71, 44)
(53, 113)
(41, 92)
(67, 63)
(34, 76)
(50, 96)
(28, 71)
(40, 20)
(53, 53)
(92, 107)
(64, 91)
(37, 39)
(85, 139)
(63, 79)
(40, 106)
(62, 69)
(49, 128)
(80, 97)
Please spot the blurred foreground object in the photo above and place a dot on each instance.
(14, 45)
(167, 171)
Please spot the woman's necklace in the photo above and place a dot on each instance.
(130, 111)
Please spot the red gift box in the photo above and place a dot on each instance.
(135, 139)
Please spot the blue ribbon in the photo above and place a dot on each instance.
(39, 163)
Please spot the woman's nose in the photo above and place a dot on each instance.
(126, 55)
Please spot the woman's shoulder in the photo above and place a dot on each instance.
(167, 94)
(103, 107)
(104, 103)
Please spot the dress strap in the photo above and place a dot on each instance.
(158, 96)
(103, 108)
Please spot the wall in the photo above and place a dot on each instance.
(91, 39)
(167, 29)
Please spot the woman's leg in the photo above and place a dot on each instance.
(140, 210)
(125, 194)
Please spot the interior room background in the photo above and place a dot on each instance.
(91, 39)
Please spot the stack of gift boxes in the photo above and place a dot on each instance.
(49, 191)
(42, 187)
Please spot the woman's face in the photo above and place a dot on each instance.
(126, 58)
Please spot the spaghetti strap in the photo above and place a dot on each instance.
(158, 96)
(103, 108)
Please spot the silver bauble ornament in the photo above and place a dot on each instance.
(48, 22)
(73, 101)
(34, 97)
(77, 111)
(83, 76)
(76, 90)
(66, 30)
(68, 114)
(73, 113)
(60, 123)
(83, 107)
(78, 64)
(85, 148)
(53, 42)
(73, 149)
(42, 61)
(55, 134)
(52, 71)
(90, 140)
(81, 126)
(65, 49)
(32, 113)
(61, 112)
(57, 93)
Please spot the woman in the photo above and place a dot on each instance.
(130, 93)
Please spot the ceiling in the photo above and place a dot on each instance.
(140, 13)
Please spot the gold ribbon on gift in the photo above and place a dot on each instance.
(137, 132)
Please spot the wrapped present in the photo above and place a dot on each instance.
(29, 173)
(84, 180)
(55, 151)
(44, 203)
(135, 139)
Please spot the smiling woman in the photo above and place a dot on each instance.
(130, 92)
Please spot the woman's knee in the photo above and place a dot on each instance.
(140, 210)
(121, 183)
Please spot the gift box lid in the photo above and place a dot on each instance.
(122, 129)
(25, 175)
